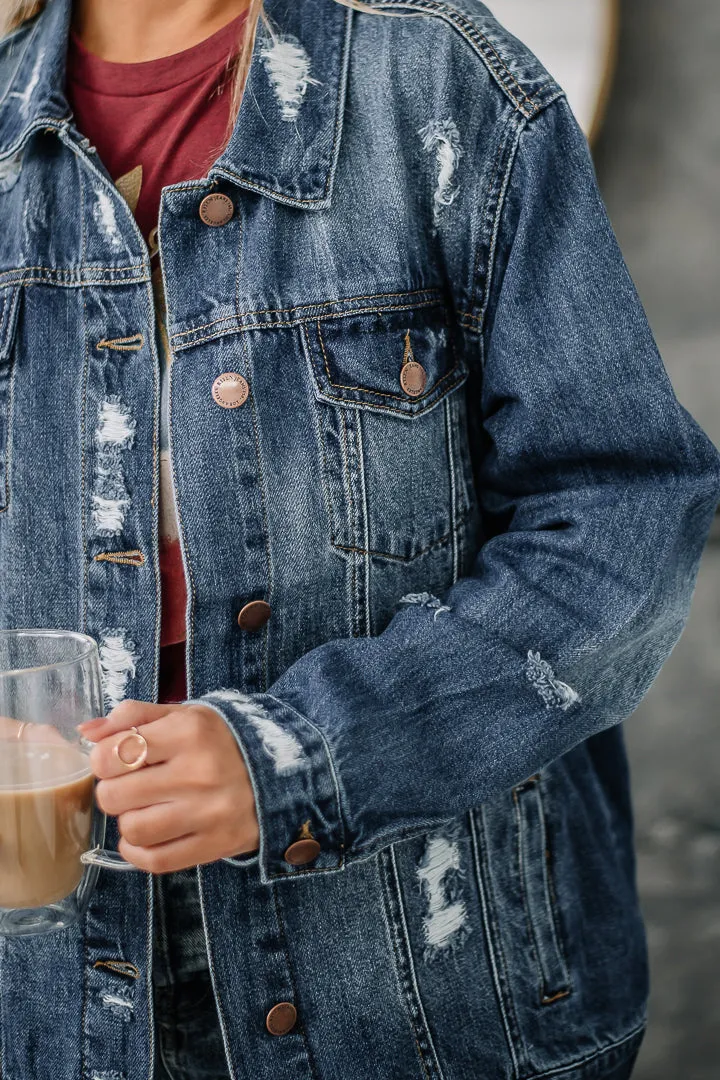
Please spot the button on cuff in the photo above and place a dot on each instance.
(294, 782)
(301, 852)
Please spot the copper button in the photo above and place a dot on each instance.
(281, 1018)
(413, 378)
(216, 209)
(254, 615)
(230, 390)
(301, 852)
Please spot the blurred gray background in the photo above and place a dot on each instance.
(658, 161)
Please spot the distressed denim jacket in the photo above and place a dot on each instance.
(462, 482)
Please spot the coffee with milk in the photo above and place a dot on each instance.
(46, 804)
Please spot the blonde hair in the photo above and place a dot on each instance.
(13, 13)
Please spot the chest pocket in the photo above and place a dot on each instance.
(391, 420)
(9, 304)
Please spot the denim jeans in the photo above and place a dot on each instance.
(188, 1040)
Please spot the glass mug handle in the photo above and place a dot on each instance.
(111, 860)
(99, 856)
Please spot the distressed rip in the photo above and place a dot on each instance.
(118, 661)
(282, 746)
(443, 137)
(554, 693)
(118, 1004)
(104, 213)
(115, 425)
(288, 67)
(440, 874)
(427, 600)
(110, 499)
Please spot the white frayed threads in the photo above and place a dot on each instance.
(425, 599)
(114, 433)
(115, 427)
(288, 67)
(118, 661)
(25, 97)
(104, 213)
(282, 746)
(118, 1005)
(108, 514)
(555, 694)
(440, 876)
(443, 137)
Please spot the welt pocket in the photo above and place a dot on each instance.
(9, 306)
(359, 360)
(536, 883)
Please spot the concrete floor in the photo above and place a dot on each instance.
(658, 161)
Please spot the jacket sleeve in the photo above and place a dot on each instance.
(600, 490)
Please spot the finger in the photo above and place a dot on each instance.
(158, 824)
(148, 786)
(165, 737)
(128, 713)
(177, 854)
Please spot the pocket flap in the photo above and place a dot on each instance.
(359, 359)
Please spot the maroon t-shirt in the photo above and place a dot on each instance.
(154, 124)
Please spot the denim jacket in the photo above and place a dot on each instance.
(463, 484)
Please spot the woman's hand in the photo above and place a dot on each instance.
(192, 802)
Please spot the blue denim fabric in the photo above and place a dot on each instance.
(471, 586)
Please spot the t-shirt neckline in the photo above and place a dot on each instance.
(152, 76)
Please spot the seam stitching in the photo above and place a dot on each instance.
(434, 296)
(475, 36)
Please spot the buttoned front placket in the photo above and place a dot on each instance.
(218, 480)
(121, 606)
(214, 445)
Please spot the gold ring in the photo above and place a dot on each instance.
(22, 727)
(135, 734)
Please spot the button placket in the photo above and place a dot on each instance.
(254, 615)
(281, 1018)
(216, 209)
(230, 390)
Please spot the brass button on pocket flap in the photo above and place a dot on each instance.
(402, 361)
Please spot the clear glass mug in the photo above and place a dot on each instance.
(51, 829)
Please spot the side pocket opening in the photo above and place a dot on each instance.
(9, 305)
(535, 863)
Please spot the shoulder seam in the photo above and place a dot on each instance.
(520, 125)
(528, 105)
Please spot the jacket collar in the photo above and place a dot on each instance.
(286, 139)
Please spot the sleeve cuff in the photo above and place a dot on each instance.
(296, 790)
